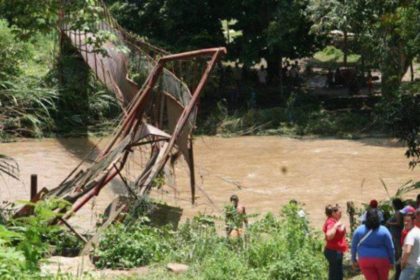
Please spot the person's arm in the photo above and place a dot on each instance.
(405, 255)
(389, 245)
(354, 242)
(408, 245)
(245, 217)
(331, 230)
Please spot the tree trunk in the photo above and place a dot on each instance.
(345, 50)
(411, 71)
(362, 58)
(273, 67)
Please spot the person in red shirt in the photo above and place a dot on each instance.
(336, 244)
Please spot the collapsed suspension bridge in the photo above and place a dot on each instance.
(158, 116)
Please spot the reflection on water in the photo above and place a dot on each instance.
(269, 170)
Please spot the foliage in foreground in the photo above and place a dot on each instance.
(275, 247)
(26, 241)
(135, 245)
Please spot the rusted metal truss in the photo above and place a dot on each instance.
(160, 114)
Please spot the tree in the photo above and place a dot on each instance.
(176, 25)
(45, 16)
(387, 31)
(399, 32)
(329, 15)
(272, 29)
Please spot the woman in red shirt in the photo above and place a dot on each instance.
(335, 235)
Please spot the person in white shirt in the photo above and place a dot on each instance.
(262, 75)
(410, 260)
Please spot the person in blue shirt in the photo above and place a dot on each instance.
(372, 248)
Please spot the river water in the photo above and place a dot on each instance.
(265, 172)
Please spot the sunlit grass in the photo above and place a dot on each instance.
(332, 55)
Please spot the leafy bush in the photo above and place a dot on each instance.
(24, 242)
(286, 248)
(196, 239)
(135, 245)
(274, 248)
(26, 103)
(400, 114)
(12, 51)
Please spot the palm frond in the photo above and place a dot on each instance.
(407, 187)
(9, 167)
(385, 187)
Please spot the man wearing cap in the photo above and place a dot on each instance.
(373, 204)
(410, 260)
(409, 214)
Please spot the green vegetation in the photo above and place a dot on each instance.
(301, 115)
(40, 95)
(275, 247)
(26, 241)
(46, 88)
(331, 56)
(134, 245)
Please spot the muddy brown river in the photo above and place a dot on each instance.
(265, 172)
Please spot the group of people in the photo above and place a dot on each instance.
(290, 74)
(376, 246)
(351, 78)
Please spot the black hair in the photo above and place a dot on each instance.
(293, 201)
(397, 204)
(372, 219)
(234, 197)
(418, 197)
(330, 209)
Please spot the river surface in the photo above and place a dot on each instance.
(265, 172)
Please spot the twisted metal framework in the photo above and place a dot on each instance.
(160, 114)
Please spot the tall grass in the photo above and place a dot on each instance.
(27, 107)
(275, 247)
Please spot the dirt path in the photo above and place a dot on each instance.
(271, 171)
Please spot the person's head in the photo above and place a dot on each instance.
(333, 211)
(262, 67)
(418, 200)
(408, 210)
(409, 221)
(234, 199)
(372, 219)
(397, 204)
(373, 204)
(293, 202)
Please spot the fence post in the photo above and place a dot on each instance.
(34, 186)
